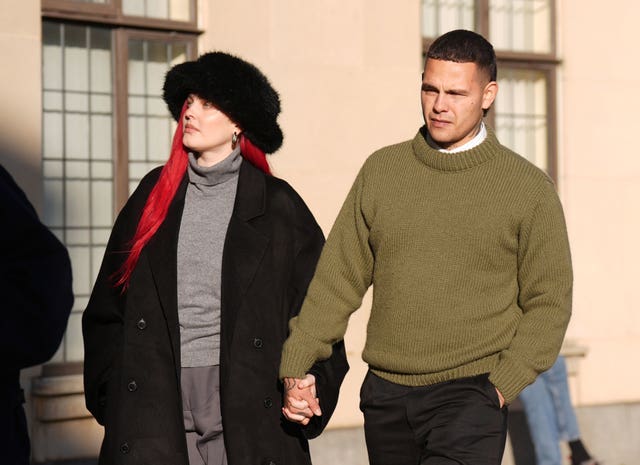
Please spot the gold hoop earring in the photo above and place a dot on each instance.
(234, 140)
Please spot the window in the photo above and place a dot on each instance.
(104, 122)
(178, 10)
(150, 125)
(521, 113)
(166, 15)
(523, 35)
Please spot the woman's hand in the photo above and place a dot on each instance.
(300, 401)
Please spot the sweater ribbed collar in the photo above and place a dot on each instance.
(458, 161)
(217, 174)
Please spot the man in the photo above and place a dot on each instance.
(35, 285)
(465, 245)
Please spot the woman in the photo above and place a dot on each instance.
(207, 262)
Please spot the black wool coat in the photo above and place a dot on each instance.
(37, 296)
(132, 339)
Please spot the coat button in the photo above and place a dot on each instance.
(141, 324)
(267, 402)
(257, 343)
(124, 448)
(132, 386)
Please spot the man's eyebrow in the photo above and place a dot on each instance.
(452, 91)
(457, 91)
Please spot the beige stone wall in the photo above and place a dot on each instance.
(600, 187)
(20, 94)
(349, 75)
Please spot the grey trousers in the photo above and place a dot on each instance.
(202, 417)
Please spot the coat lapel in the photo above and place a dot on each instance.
(245, 245)
(162, 251)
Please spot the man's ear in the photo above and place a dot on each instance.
(489, 94)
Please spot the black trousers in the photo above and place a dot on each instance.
(455, 422)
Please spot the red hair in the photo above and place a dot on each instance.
(254, 155)
(157, 205)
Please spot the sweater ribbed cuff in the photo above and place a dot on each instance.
(298, 356)
(510, 378)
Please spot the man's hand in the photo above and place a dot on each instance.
(300, 401)
(501, 397)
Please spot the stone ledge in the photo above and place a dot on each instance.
(62, 428)
(57, 385)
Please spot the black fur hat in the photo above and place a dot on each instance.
(236, 87)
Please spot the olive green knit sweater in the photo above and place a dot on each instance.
(469, 260)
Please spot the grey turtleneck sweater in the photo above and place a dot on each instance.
(207, 209)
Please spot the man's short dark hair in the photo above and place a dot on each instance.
(464, 46)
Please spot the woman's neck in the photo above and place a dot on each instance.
(213, 157)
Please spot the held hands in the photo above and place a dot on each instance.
(300, 401)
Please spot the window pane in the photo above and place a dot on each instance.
(157, 63)
(76, 102)
(52, 100)
(76, 58)
(137, 139)
(178, 53)
(76, 131)
(52, 135)
(136, 67)
(157, 9)
(53, 200)
(520, 25)
(440, 16)
(74, 349)
(101, 201)
(179, 10)
(133, 7)
(77, 153)
(101, 137)
(100, 61)
(521, 113)
(52, 56)
(176, 10)
(150, 124)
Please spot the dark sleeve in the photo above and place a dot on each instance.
(35, 281)
(102, 320)
(329, 373)
(329, 376)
